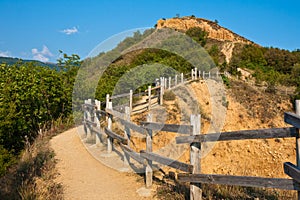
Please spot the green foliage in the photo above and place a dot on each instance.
(281, 60)
(252, 57)
(31, 97)
(226, 80)
(169, 96)
(272, 65)
(6, 160)
(197, 34)
(214, 53)
(137, 78)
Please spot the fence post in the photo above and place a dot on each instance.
(85, 115)
(90, 118)
(192, 74)
(209, 74)
(149, 97)
(170, 82)
(130, 101)
(161, 95)
(165, 82)
(127, 134)
(109, 125)
(175, 80)
(203, 75)
(181, 76)
(149, 171)
(195, 188)
(98, 104)
(98, 108)
(297, 109)
(107, 99)
(196, 71)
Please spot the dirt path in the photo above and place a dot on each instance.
(83, 177)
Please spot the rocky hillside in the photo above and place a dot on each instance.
(223, 38)
(214, 30)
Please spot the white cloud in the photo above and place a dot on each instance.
(70, 31)
(34, 51)
(41, 55)
(5, 54)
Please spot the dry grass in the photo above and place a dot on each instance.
(33, 176)
(238, 151)
(215, 192)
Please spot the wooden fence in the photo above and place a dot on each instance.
(193, 137)
(154, 94)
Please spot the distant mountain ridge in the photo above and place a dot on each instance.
(12, 61)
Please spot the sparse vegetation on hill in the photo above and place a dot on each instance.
(272, 66)
(34, 97)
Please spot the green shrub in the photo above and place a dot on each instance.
(6, 160)
(169, 96)
(31, 98)
(197, 34)
(226, 80)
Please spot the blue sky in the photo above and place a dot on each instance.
(32, 29)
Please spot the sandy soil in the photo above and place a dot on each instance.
(83, 177)
(248, 108)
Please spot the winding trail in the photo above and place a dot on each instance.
(84, 177)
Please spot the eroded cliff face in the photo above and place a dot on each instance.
(214, 30)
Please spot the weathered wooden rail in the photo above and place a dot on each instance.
(192, 171)
(279, 183)
(194, 138)
(161, 86)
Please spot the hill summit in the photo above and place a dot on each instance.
(214, 30)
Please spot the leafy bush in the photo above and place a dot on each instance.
(31, 98)
(113, 74)
(226, 80)
(272, 65)
(6, 160)
(169, 96)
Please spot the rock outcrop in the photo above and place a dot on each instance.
(214, 30)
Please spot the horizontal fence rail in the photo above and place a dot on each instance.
(292, 170)
(115, 113)
(247, 181)
(91, 122)
(292, 119)
(133, 127)
(133, 154)
(167, 161)
(119, 96)
(184, 129)
(239, 135)
(115, 136)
